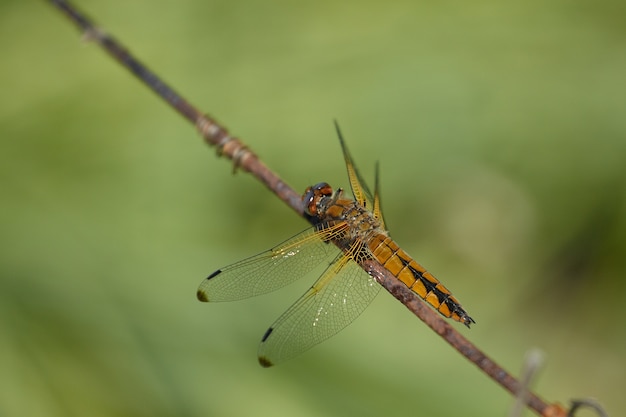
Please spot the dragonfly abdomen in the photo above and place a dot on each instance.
(416, 278)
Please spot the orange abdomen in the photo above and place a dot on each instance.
(415, 276)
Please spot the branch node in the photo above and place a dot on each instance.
(226, 145)
(93, 34)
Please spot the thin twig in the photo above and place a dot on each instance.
(242, 157)
(211, 131)
(458, 341)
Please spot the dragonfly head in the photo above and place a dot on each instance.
(317, 198)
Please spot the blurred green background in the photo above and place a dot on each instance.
(501, 133)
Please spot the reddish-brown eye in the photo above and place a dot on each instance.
(325, 189)
(308, 201)
(312, 196)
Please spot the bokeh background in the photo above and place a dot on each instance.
(501, 133)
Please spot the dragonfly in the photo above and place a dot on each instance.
(345, 232)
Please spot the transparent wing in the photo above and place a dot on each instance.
(377, 209)
(271, 269)
(359, 187)
(333, 302)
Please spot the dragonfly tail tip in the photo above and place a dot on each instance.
(468, 321)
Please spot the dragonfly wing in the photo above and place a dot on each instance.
(377, 209)
(269, 270)
(359, 187)
(333, 302)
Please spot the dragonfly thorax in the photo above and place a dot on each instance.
(328, 207)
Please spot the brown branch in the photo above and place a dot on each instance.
(211, 131)
(458, 341)
(234, 149)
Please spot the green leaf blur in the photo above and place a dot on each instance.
(501, 133)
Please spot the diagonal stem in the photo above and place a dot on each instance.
(458, 341)
(216, 135)
(212, 132)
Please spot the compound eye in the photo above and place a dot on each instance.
(312, 196)
(324, 189)
(308, 200)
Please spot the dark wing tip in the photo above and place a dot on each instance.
(339, 132)
(267, 334)
(264, 362)
(202, 296)
(219, 271)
